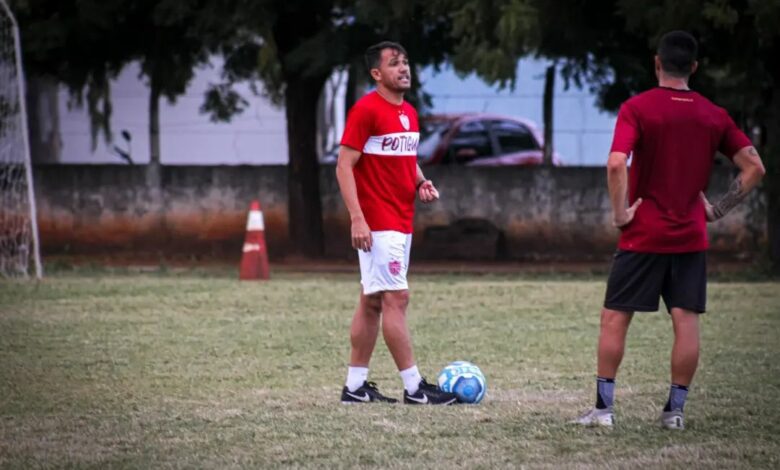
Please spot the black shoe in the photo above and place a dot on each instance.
(365, 394)
(429, 394)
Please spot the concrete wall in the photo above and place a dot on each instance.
(484, 213)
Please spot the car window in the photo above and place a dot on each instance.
(430, 136)
(513, 137)
(471, 141)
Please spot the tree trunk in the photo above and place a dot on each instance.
(549, 91)
(43, 120)
(303, 180)
(153, 170)
(772, 181)
(154, 124)
(773, 215)
(353, 83)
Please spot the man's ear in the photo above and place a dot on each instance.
(375, 74)
(694, 67)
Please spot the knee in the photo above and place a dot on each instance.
(396, 300)
(373, 304)
(614, 321)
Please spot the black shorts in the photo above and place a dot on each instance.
(637, 280)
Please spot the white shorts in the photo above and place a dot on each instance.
(385, 266)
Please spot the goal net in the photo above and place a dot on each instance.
(19, 252)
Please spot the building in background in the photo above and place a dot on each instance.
(61, 133)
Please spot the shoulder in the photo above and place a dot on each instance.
(642, 99)
(713, 109)
(365, 105)
(409, 109)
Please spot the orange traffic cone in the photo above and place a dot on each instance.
(254, 260)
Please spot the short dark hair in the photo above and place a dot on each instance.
(374, 53)
(677, 51)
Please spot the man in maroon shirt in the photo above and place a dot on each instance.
(672, 135)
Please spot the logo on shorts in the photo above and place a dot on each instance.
(394, 267)
(404, 121)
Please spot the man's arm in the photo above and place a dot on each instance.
(425, 188)
(751, 170)
(420, 176)
(361, 233)
(617, 181)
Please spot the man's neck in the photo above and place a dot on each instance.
(673, 82)
(392, 97)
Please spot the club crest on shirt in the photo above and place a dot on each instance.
(394, 267)
(404, 120)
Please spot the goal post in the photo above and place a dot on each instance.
(19, 242)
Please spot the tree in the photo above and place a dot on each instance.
(296, 46)
(608, 46)
(740, 62)
(84, 44)
(77, 45)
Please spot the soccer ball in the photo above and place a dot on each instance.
(465, 380)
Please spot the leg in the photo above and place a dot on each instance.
(634, 284)
(365, 329)
(395, 329)
(685, 296)
(685, 352)
(612, 341)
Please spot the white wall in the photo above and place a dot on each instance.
(582, 133)
(258, 136)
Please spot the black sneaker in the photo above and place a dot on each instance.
(365, 394)
(429, 394)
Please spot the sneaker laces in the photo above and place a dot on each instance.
(371, 385)
(429, 386)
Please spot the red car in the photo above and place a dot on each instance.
(478, 139)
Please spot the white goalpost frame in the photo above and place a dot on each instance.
(26, 142)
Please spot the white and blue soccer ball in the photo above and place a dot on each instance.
(465, 380)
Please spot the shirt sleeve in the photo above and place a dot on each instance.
(626, 131)
(357, 129)
(733, 139)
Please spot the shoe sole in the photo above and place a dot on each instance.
(676, 423)
(451, 402)
(595, 424)
(367, 402)
(673, 426)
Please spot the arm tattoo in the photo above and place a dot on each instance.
(752, 151)
(730, 200)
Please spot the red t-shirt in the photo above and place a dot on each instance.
(385, 176)
(672, 136)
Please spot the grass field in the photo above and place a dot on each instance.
(198, 370)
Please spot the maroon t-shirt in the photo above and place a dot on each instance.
(672, 137)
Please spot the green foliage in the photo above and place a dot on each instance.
(78, 43)
(604, 45)
(490, 37)
(86, 43)
(294, 40)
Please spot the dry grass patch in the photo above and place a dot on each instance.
(170, 371)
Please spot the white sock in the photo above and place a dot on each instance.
(412, 379)
(355, 377)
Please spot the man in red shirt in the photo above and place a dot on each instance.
(672, 135)
(379, 177)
